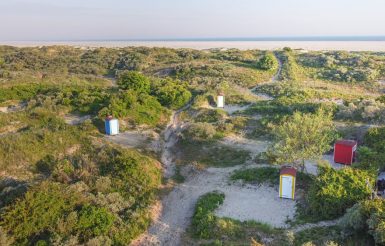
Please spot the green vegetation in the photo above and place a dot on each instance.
(131, 80)
(106, 192)
(303, 137)
(260, 175)
(268, 62)
(170, 93)
(366, 216)
(336, 190)
(372, 154)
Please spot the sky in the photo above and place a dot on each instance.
(25, 20)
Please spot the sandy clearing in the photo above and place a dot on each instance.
(259, 203)
(13, 108)
(137, 139)
(73, 119)
(311, 166)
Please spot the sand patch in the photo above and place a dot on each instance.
(259, 203)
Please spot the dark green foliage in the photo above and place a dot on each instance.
(131, 80)
(94, 221)
(336, 190)
(170, 93)
(22, 91)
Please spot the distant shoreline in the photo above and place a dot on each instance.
(348, 45)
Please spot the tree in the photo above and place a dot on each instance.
(170, 93)
(303, 137)
(131, 80)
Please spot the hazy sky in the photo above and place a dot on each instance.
(158, 19)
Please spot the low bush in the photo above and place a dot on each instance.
(204, 221)
(199, 132)
(132, 80)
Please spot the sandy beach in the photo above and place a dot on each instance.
(200, 45)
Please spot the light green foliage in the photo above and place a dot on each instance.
(139, 108)
(342, 66)
(170, 93)
(131, 80)
(371, 156)
(94, 221)
(303, 137)
(260, 175)
(290, 69)
(369, 110)
(41, 208)
(336, 190)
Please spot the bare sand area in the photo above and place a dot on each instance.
(200, 45)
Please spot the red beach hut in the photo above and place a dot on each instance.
(345, 151)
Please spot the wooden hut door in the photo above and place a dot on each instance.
(287, 187)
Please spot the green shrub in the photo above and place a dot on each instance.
(267, 62)
(367, 216)
(140, 108)
(131, 80)
(170, 93)
(336, 190)
(94, 221)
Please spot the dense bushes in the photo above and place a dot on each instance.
(336, 190)
(371, 156)
(140, 108)
(131, 80)
(39, 211)
(170, 93)
(98, 194)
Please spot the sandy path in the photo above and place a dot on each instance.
(325, 223)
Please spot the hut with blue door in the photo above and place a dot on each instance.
(112, 126)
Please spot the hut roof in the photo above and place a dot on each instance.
(288, 170)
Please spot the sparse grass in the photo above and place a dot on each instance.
(211, 154)
(269, 175)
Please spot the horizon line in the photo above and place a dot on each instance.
(208, 39)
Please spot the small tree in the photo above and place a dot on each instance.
(303, 137)
(131, 80)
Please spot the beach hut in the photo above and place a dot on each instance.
(345, 151)
(112, 126)
(221, 100)
(287, 178)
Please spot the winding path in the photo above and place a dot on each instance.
(177, 207)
